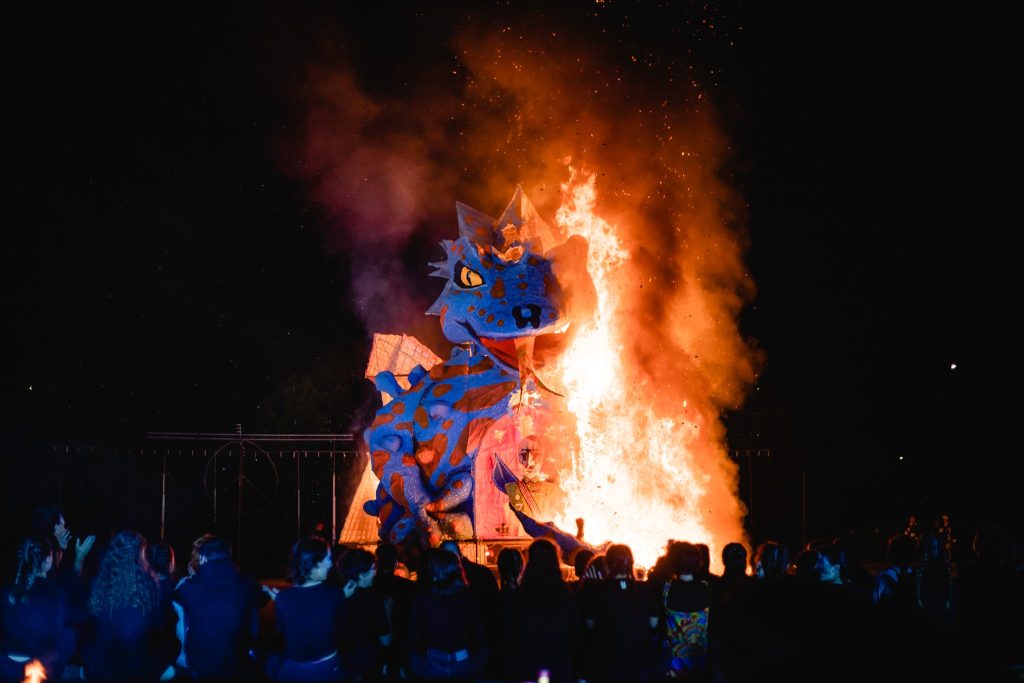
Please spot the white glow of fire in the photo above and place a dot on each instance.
(633, 479)
(34, 672)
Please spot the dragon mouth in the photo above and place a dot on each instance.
(504, 350)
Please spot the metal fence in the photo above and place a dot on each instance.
(260, 491)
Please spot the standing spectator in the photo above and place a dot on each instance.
(446, 629)
(913, 528)
(944, 530)
(579, 565)
(686, 601)
(622, 614)
(484, 586)
(218, 613)
(397, 592)
(364, 635)
(542, 622)
(306, 617)
(161, 561)
(33, 610)
(935, 583)
(130, 642)
(510, 568)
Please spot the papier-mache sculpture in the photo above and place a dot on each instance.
(515, 290)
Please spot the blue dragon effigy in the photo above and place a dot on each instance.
(510, 283)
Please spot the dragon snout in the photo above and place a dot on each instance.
(527, 314)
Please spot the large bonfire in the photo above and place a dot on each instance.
(651, 463)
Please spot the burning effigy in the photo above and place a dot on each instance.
(582, 386)
(469, 430)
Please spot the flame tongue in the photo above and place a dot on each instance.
(34, 672)
(524, 354)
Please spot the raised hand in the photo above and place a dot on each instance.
(82, 547)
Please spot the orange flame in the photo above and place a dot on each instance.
(34, 672)
(644, 473)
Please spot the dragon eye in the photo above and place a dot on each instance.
(466, 277)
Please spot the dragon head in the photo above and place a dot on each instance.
(508, 280)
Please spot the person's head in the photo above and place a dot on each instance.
(530, 457)
(734, 558)
(357, 566)
(686, 559)
(309, 561)
(386, 556)
(912, 521)
(34, 560)
(543, 566)
(619, 560)
(452, 547)
(124, 580)
(446, 575)
(771, 560)
(510, 567)
(193, 558)
(809, 565)
(213, 549)
(580, 561)
(161, 559)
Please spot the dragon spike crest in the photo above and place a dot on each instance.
(520, 225)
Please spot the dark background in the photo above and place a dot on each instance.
(162, 272)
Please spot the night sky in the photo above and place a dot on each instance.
(174, 262)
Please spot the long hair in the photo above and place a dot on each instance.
(510, 567)
(32, 554)
(542, 576)
(125, 580)
(306, 554)
(446, 575)
(161, 559)
(619, 559)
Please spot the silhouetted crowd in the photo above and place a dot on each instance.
(347, 614)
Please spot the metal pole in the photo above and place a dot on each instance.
(334, 496)
(803, 506)
(298, 493)
(163, 499)
(214, 489)
(241, 483)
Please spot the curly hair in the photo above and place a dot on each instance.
(125, 580)
(32, 554)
